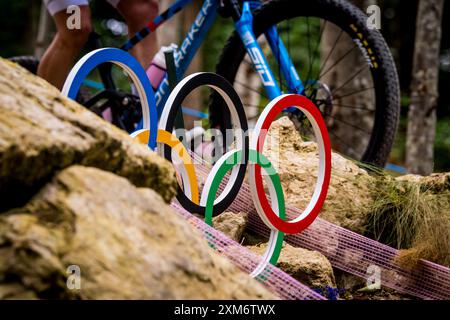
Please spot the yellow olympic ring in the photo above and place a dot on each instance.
(142, 136)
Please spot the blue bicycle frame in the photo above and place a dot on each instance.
(244, 26)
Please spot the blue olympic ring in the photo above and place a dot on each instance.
(133, 68)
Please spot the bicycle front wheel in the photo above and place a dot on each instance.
(346, 68)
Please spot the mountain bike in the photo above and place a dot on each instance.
(322, 49)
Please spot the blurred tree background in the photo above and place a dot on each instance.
(19, 21)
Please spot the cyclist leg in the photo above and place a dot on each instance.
(137, 13)
(66, 45)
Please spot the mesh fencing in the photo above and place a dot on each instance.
(346, 250)
(275, 280)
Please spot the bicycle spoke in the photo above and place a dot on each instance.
(309, 40)
(352, 93)
(349, 80)
(250, 88)
(331, 51)
(352, 107)
(336, 63)
(348, 124)
(316, 50)
(341, 140)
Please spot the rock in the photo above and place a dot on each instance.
(231, 224)
(309, 267)
(127, 243)
(296, 161)
(42, 132)
(348, 282)
(436, 183)
(352, 287)
(382, 294)
(251, 238)
(16, 291)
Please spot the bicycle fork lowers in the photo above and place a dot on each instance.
(244, 26)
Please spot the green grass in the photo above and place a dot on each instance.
(407, 215)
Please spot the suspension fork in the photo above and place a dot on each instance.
(293, 81)
(244, 27)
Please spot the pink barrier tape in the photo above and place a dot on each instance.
(354, 254)
(351, 252)
(275, 280)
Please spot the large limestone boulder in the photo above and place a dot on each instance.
(309, 267)
(296, 161)
(126, 242)
(42, 132)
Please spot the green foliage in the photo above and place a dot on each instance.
(17, 26)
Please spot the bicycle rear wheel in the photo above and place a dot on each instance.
(347, 70)
(30, 63)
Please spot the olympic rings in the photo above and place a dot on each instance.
(272, 214)
(212, 184)
(132, 67)
(314, 116)
(234, 104)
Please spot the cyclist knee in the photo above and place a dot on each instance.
(76, 37)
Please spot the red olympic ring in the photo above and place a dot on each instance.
(323, 180)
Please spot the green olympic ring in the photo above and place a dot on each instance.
(226, 163)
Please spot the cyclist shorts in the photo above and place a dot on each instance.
(55, 6)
